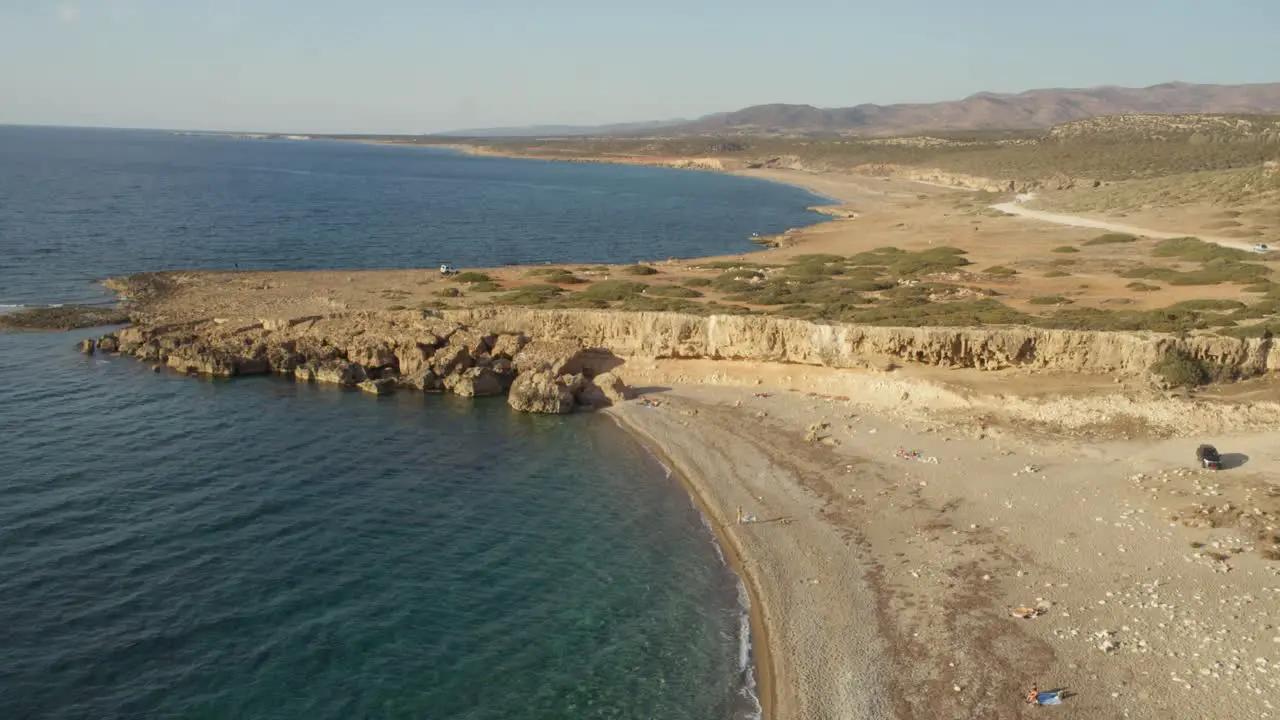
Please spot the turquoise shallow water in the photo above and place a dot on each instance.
(259, 549)
(173, 548)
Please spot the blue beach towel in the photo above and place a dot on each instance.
(1048, 698)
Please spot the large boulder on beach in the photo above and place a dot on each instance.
(603, 390)
(558, 357)
(540, 392)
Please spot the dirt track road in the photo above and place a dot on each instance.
(1015, 208)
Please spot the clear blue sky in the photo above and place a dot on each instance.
(424, 65)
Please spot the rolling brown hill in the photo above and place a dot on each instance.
(1033, 109)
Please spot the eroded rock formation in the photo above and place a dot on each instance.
(379, 353)
(554, 361)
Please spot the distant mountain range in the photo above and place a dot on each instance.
(1032, 109)
(565, 130)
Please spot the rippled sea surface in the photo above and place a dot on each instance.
(78, 205)
(174, 548)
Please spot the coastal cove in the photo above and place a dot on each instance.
(186, 432)
(941, 516)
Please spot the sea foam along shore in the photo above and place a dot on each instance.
(818, 650)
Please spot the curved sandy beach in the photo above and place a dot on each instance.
(811, 663)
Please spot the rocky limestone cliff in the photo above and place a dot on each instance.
(557, 360)
(784, 340)
(960, 181)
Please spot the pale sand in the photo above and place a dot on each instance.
(887, 593)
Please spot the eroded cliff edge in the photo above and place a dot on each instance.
(557, 360)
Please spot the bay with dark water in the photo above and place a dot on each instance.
(173, 548)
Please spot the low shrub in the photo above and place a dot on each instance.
(1057, 274)
(1212, 273)
(789, 291)
(640, 270)
(1049, 300)
(1139, 286)
(1263, 331)
(697, 282)
(732, 265)
(485, 287)
(1111, 239)
(471, 276)
(818, 258)
(1161, 321)
(734, 281)
(927, 262)
(976, 313)
(611, 290)
(1207, 304)
(1000, 271)
(1066, 249)
(661, 304)
(529, 295)
(1196, 250)
(451, 292)
(562, 277)
(814, 266)
(674, 291)
(1180, 370)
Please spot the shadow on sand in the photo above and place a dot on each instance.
(1231, 461)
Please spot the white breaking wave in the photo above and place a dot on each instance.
(745, 651)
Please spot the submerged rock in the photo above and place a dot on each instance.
(380, 386)
(66, 317)
(86, 346)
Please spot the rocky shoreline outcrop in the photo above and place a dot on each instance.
(557, 361)
(380, 353)
(62, 317)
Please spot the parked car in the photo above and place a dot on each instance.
(1261, 247)
(1208, 458)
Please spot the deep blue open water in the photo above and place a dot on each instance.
(173, 548)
